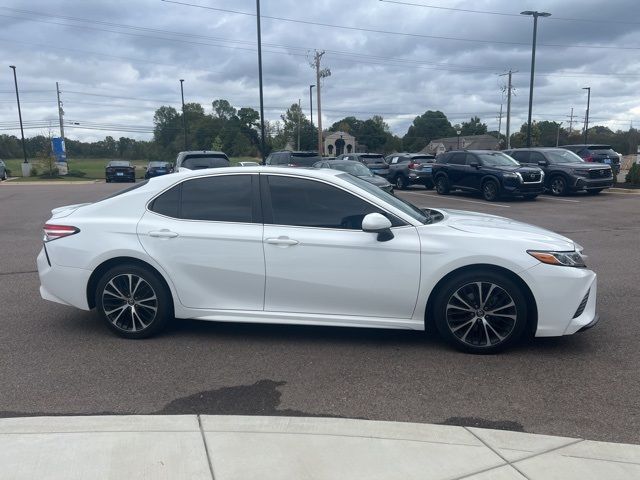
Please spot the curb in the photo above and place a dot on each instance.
(624, 190)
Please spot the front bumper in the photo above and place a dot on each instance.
(65, 285)
(584, 183)
(523, 188)
(559, 293)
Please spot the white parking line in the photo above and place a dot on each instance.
(442, 197)
(559, 199)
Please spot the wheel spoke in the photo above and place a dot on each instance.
(487, 323)
(146, 299)
(133, 318)
(486, 300)
(112, 285)
(135, 289)
(135, 314)
(464, 337)
(454, 330)
(122, 307)
(492, 312)
(459, 298)
(484, 326)
(450, 305)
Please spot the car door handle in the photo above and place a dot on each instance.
(163, 234)
(282, 241)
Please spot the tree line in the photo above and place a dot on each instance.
(237, 133)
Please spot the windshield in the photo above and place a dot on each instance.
(406, 207)
(369, 159)
(198, 163)
(354, 168)
(563, 156)
(497, 159)
(304, 159)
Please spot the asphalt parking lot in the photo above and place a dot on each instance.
(56, 360)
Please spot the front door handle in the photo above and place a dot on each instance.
(164, 233)
(282, 241)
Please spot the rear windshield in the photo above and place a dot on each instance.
(157, 164)
(304, 159)
(369, 159)
(602, 150)
(198, 162)
(119, 163)
(423, 159)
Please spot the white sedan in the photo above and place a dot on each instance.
(313, 247)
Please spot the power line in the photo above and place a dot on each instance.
(388, 32)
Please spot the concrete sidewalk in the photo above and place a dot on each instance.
(246, 448)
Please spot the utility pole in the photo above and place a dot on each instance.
(500, 122)
(320, 73)
(262, 148)
(184, 116)
(299, 109)
(60, 112)
(571, 121)
(311, 104)
(24, 148)
(509, 89)
(558, 135)
(586, 117)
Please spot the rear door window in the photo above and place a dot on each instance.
(457, 159)
(536, 157)
(520, 156)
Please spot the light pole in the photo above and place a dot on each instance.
(558, 135)
(535, 16)
(260, 81)
(586, 117)
(24, 148)
(311, 103)
(458, 132)
(184, 118)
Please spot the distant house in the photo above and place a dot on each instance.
(336, 143)
(468, 142)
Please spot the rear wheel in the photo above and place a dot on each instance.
(133, 301)
(595, 191)
(490, 190)
(401, 182)
(558, 186)
(480, 312)
(442, 185)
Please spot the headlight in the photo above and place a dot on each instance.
(513, 176)
(566, 259)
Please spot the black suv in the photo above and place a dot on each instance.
(597, 153)
(287, 158)
(120, 171)
(564, 170)
(410, 169)
(374, 161)
(491, 173)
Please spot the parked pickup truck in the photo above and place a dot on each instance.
(410, 169)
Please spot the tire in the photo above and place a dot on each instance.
(464, 320)
(530, 197)
(558, 186)
(442, 185)
(490, 190)
(401, 182)
(113, 291)
(595, 191)
(107, 180)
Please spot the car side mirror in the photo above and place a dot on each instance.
(543, 163)
(378, 223)
(474, 164)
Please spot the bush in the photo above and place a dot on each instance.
(54, 173)
(76, 173)
(34, 171)
(633, 176)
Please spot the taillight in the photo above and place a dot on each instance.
(51, 232)
(110, 170)
(588, 158)
(413, 165)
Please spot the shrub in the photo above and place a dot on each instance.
(76, 173)
(633, 176)
(34, 171)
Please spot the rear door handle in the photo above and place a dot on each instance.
(163, 233)
(282, 241)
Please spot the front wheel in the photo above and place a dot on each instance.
(490, 190)
(480, 312)
(401, 182)
(442, 185)
(558, 186)
(133, 301)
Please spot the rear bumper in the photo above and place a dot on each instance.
(420, 177)
(65, 285)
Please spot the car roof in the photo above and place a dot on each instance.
(339, 161)
(200, 152)
(587, 145)
(532, 148)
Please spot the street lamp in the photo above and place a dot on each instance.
(184, 118)
(458, 132)
(24, 148)
(262, 148)
(311, 103)
(535, 16)
(586, 117)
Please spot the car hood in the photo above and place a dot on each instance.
(375, 180)
(583, 166)
(507, 229)
(508, 168)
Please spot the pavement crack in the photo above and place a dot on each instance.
(2, 274)
(206, 447)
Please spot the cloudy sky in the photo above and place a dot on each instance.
(118, 60)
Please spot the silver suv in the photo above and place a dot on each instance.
(199, 159)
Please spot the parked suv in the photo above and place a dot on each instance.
(374, 161)
(410, 169)
(564, 170)
(155, 169)
(597, 153)
(287, 158)
(491, 173)
(199, 159)
(120, 171)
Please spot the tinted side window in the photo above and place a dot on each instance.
(457, 159)
(224, 198)
(167, 203)
(536, 157)
(307, 203)
(522, 157)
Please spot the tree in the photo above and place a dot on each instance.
(473, 127)
(293, 117)
(223, 110)
(428, 126)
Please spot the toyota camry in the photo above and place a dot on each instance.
(313, 247)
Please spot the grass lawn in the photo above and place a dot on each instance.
(88, 168)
